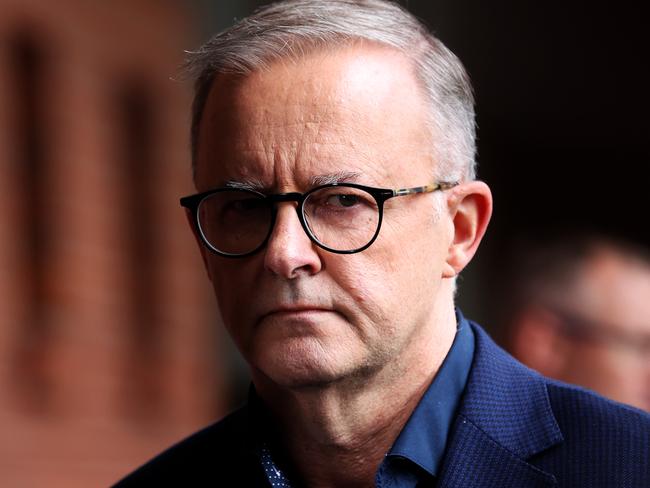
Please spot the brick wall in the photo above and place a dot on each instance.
(107, 352)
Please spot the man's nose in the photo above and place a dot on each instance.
(289, 251)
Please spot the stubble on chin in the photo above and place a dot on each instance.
(313, 365)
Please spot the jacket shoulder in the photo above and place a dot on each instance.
(575, 404)
(604, 443)
(220, 453)
(573, 434)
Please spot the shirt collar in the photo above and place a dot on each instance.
(424, 437)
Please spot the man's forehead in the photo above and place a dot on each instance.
(617, 286)
(330, 79)
(330, 112)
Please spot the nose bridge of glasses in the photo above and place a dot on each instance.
(285, 197)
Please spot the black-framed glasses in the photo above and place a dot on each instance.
(342, 218)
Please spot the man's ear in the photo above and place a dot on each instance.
(199, 242)
(470, 206)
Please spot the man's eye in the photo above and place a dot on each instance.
(246, 205)
(343, 200)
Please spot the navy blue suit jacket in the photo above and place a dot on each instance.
(514, 428)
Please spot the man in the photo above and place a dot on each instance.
(334, 160)
(580, 313)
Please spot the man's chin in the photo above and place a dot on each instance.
(303, 371)
(296, 373)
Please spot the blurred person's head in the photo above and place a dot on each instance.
(580, 313)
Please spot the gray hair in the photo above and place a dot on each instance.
(290, 28)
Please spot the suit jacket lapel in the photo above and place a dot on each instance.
(504, 419)
(474, 460)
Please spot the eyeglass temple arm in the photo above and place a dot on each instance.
(444, 185)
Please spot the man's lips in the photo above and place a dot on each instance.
(295, 310)
(298, 309)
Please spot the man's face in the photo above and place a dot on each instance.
(301, 315)
(613, 293)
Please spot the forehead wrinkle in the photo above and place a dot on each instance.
(301, 155)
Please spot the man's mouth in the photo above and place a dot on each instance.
(296, 309)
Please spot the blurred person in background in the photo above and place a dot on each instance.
(581, 314)
(334, 160)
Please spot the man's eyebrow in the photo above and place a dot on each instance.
(338, 177)
(251, 184)
(317, 180)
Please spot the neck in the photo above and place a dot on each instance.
(338, 434)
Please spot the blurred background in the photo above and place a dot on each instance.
(110, 348)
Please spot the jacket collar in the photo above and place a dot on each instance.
(504, 419)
